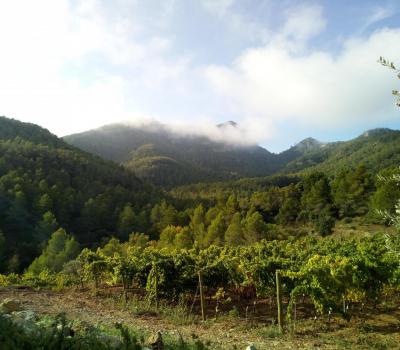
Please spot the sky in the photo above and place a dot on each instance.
(283, 70)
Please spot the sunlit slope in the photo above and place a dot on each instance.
(376, 149)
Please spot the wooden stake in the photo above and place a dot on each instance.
(203, 315)
(279, 301)
(156, 285)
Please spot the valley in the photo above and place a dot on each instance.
(77, 226)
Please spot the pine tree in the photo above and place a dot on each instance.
(184, 239)
(255, 228)
(45, 204)
(60, 249)
(45, 228)
(216, 231)
(167, 237)
(234, 233)
(197, 224)
(386, 195)
(2, 251)
(126, 222)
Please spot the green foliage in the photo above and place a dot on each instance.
(332, 272)
(58, 333)
(95, 265)
(45, 228)
(216, 231)
(184, 238)
(197, 224)
(112, 247)
(255, 228)
(126, 221)
(46, 184)
(376, 149)
(163, 215)
(60, 249)
(391, 65)
(325, 222)
(387, 193)
(234, 235)
(167, 236)
(351, 191)
(289, 210)
(2, 248)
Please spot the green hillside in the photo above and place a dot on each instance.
(46, 183)
(376, 149)
(165, 158)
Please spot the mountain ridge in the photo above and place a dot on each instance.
(169, 158)
(151, 151)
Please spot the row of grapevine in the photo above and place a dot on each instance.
(330, 272)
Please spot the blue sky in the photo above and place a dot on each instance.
(284, 70)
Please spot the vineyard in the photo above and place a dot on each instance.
(335, 277)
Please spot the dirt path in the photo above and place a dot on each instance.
(219, 335)
(97, 311)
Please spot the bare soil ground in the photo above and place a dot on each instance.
(378, 328)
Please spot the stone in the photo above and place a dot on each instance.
(27, 321)
(251, 347)
(24, 315)
(9, 305)
(155, 341)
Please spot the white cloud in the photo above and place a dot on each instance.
(244, 134)
(42, 41)
(281, 82)
(302, 23)
(74, 65)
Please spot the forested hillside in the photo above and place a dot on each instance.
(168, 159)
(376, 149)
(46, 184)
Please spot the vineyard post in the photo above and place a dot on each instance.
(203, 316)
(279, 300)
(156, 285)
(124, 283)
(344, 305)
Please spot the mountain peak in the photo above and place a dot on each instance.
(308, 143)
(376, 132)
(228, 124)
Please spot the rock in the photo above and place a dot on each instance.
(10, 305)
(25, 315)
(27, 321)
(156, 342)
(251, 347)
